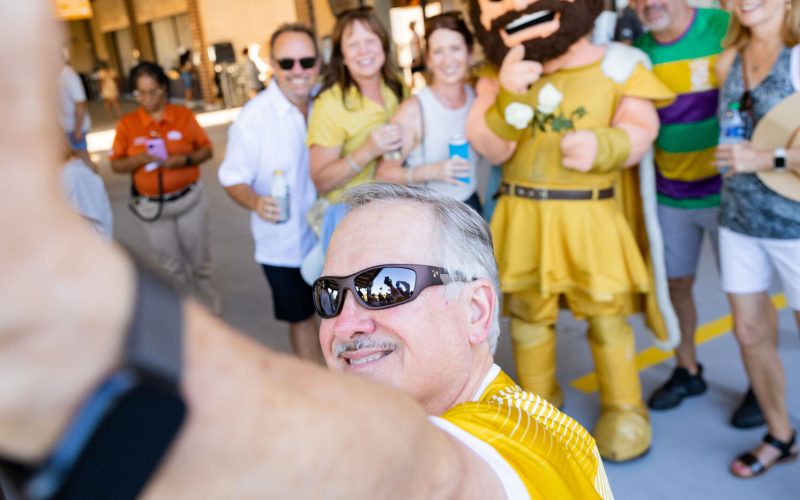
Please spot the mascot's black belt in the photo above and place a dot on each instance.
(555, 194)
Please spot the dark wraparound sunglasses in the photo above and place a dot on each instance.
(288, 63)
(379, 287)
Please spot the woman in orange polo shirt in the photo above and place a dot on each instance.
(162, 145)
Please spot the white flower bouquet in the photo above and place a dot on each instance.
(520, 116)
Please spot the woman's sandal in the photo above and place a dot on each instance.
(757, 467)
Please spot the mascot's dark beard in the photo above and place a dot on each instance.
(577, 20)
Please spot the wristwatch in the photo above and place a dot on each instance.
(121, 432)
(779, 160)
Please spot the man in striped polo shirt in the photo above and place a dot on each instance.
(683, 44)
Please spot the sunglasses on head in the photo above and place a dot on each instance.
(439, 20)
(379, 287)
(451, 14)
(288, 63)
(353, 11)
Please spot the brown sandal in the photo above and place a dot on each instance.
(757, 467)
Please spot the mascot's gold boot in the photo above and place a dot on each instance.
(623, 431)
(535, 356)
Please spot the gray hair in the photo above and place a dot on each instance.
(465, 243)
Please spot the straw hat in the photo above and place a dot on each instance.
(780, 129)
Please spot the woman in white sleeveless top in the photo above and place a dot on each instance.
(431, 118)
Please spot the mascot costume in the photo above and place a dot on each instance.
(572, 225)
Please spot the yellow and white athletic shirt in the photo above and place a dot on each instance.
(536, 451)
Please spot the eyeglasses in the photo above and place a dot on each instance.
(138, 94)
(379, 287)
(305, 62)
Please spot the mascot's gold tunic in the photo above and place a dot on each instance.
(559, 232)
(554, 246)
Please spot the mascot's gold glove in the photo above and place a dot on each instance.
(613, 148)
(511, 115)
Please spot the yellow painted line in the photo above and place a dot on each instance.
(653, 355)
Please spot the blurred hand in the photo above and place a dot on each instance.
(742, 158)
(144, 158)
(172, 161)
(579, 150)
(77, 134)
(58, 340)
(386, 138)
(267, 208)
(450, 170)
(487, 86)
(517, 74)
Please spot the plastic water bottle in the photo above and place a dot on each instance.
(459, 147)
(731, 130)
(280, 191)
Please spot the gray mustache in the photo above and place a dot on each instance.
(364, 343)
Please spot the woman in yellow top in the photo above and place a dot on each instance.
(348, 129)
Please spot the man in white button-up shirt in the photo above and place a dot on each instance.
(268, 136)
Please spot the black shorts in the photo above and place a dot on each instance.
(291, 296)
(474, 202)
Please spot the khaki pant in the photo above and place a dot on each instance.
(180, 240)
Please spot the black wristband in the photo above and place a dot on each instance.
(188, 160)
(779, 160)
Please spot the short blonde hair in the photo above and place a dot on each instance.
(738, 34)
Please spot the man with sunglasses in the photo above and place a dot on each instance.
(416, 307)
(270, 136)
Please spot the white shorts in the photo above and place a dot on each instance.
(748, 264)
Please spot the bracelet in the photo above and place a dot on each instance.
(188, 160)
(353, 165)
(409, 176)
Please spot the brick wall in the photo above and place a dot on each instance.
(323, 16)
(244, 21)
(305, 12)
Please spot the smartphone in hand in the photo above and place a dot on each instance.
(157, 148)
